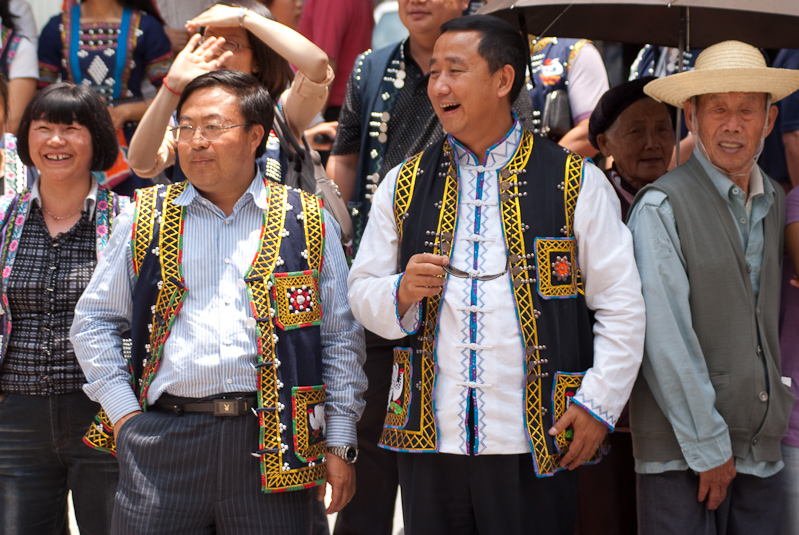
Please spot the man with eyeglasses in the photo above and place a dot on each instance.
(500, 264)
(245, 380)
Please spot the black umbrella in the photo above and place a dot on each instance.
(694, 23)
(682, 23)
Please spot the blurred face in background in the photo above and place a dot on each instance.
(286, 12)
(426, 16)
(242, 59)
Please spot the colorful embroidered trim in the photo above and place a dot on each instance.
(556, 260)
(426, 438)
(596, 411)
(296, 298)
(16, 174)
(314, 227)
(564, 387)
(526, 313)
(417, 314)
(308, 417)
(142, 234)
(403, 191)
(173, 286)
(572, 183)
(276, 476)
(400, 392)
(100, 435)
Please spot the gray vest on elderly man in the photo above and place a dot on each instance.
(737, 332)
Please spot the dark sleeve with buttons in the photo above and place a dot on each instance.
(348, 135)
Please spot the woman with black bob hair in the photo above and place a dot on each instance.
(240, 35)
(51, 236)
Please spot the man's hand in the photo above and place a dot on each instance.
(423, 277)
(122, 420)
(341, 477)
(196, 59)
(588, 434)
(714, 482)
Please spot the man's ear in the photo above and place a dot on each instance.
(773, 111)
(689, 110)
(256, 136)
(505, 77)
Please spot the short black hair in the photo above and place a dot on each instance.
(500, 44)
(67, 103)
(255, 103)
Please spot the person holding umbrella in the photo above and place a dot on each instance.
(710, 408)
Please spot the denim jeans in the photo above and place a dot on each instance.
(43, 457)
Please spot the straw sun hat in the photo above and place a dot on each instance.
(726, 67)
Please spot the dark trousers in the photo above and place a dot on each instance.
(371, 511)
(43, 457)
(607, 491)
(194, 474)
(485, 495)
(667, 505)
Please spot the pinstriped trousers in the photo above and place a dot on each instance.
(194, 475)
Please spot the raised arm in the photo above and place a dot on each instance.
(308, 93)
(152, 149)
(293, 47)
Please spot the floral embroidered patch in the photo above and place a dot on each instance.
(556, 264)
(296, 298)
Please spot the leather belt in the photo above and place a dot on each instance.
(225, 405)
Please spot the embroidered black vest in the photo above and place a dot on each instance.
(539, 189)
(283, 290)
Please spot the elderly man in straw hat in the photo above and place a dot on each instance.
(710, 407)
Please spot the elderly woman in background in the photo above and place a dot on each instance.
(637, 132)
(50, 240)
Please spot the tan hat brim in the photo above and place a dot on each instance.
(678, 88)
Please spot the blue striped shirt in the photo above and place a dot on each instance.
(211, 349)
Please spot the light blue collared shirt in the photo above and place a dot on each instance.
(672, 351)
(211, 349)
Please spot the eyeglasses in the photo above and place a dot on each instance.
(455, 272)
(227, 46)
(184, 133)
